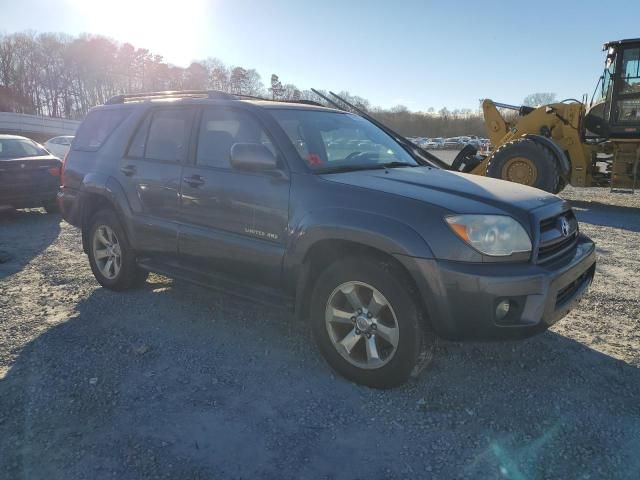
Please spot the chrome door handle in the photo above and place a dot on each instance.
(194, 180)
(128, 170)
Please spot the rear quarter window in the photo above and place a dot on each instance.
(97, 127)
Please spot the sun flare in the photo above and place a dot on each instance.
(172, 29)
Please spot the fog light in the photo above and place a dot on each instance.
(502, 309)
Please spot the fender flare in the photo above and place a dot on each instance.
(109, 188)
(371, 230)
(558, 153)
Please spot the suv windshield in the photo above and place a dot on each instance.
(20, 148)
(334, 141)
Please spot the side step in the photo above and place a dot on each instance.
(222, 283)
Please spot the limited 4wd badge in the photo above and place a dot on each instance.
(260, 233)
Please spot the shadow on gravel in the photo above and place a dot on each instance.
(23, 235)
(596, 213)
(174, 381)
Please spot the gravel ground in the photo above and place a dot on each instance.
(175, 381)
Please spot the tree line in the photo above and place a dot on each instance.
(59, 75)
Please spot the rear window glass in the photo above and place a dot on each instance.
(20, 148)
(97, 127)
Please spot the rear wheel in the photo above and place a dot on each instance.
(366, 323)
(111, 257)
(527, 162)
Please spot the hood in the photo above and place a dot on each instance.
(454, 191)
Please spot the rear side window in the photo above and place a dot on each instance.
(163, 135)
(97, 127)
(136, 148)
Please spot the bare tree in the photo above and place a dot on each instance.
(276, 88)
(61, 76)
(538, 99)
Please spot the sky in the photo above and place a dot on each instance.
(419, 54)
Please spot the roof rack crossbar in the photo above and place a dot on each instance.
(300, 100)
(214, 94)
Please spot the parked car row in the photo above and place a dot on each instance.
(452, 143)
(29, 172)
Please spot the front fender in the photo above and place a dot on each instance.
(368, 229)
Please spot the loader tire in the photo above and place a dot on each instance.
(527, 162)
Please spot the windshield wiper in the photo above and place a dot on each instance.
(396, 165)
(355, 168)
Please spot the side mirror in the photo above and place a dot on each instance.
(253, 157)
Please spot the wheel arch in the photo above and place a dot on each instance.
(319, 243)
(99, 193)
(327, 251)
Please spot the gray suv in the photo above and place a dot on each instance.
(325, 212)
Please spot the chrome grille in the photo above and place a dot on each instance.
(558, 236)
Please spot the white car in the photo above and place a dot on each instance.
(59, 146)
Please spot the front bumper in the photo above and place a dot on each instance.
(461, 298)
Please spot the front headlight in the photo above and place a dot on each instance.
(496, 235)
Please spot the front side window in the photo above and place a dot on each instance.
(168, 137)
(631, 71)
(220, 129)
(628, 106)
(333, 140)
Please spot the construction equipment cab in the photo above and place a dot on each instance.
(617, 111)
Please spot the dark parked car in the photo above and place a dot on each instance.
(29, 175)
(378, 248)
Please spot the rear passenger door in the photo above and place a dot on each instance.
(234, 222)
(151, 171)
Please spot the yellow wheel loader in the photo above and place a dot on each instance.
(564, 143)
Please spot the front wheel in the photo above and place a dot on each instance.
(366, 322)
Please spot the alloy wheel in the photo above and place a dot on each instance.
(107, 252)
(362, 325)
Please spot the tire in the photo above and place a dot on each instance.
(128, 274)
(536, 163)
(466, 158)
(562, 183)
(395, 365)
(51, 207)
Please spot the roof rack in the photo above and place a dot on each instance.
(212, 94)
(301, 100)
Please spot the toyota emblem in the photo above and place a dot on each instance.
(565, 228)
